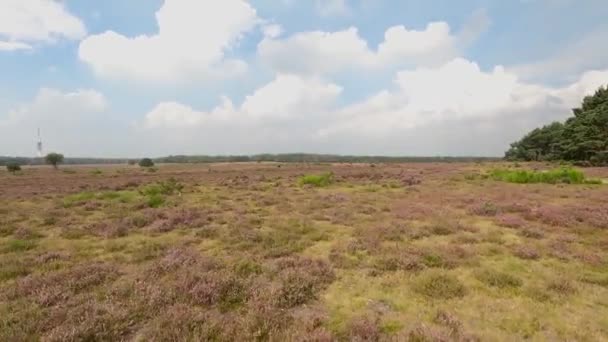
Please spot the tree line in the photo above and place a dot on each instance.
(281, 158)
(582, 138)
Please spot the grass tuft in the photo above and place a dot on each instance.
(498, 279)
(321, 180)
(439, 285)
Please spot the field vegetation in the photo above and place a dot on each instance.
(554, 176)
(304, 252)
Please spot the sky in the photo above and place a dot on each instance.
(138, 78)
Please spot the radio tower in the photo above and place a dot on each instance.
(39, 144)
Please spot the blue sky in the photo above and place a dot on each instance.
(329, 76)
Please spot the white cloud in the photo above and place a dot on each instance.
(326, 52)
(24, 22)
(272, 30)
(431, 45)
(446, 109)
(192, 41)
(316, 52)
(69, 121)
(177, 115)
(332, 7)
(13, 46)
(287, 97)
(458, 91)
(320, 52)
(52, 104)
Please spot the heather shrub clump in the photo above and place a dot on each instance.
(439, 285)
(498, 279)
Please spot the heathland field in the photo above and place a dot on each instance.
(304, 252)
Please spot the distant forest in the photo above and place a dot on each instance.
(282, 158)
(582, 139)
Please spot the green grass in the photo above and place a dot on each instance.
(498, 279)
(321, 180)
(562, 175)
(18, 245)
(439, 285)
(155, 200)
(114, 196)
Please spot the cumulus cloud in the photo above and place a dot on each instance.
(287, 97)
(192, 41)
(429, 110)
(318, 52)
(26, 22)
(70, 122)
(458, 91)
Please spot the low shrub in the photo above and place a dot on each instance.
(168, 187)
(296, 290)
(146, 162)
(397, 263)
(595, 279)
(317, 180)
(439, 285)
(562, 287)
(449, 321)
(498, 279)
(532, 233)
(563, 175)
(526, 252)
(444, 227)
(12, 268)
(427, 333)
(364, 329)
(484, 209)
(155, 201)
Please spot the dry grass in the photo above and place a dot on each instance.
(419, 252)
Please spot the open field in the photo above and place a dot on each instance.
(404, 252)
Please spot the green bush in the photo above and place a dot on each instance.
(439, 285)
(146, 162)
(564, 175)
(168, 187)
(13, 167)
(318, 180)
(155, 201)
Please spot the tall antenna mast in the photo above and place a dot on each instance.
(39, 145)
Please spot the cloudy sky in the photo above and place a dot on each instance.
(118, 78)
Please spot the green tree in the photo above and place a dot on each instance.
(146, 162)
(54, 159)
(583, 137)
(13, 167)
